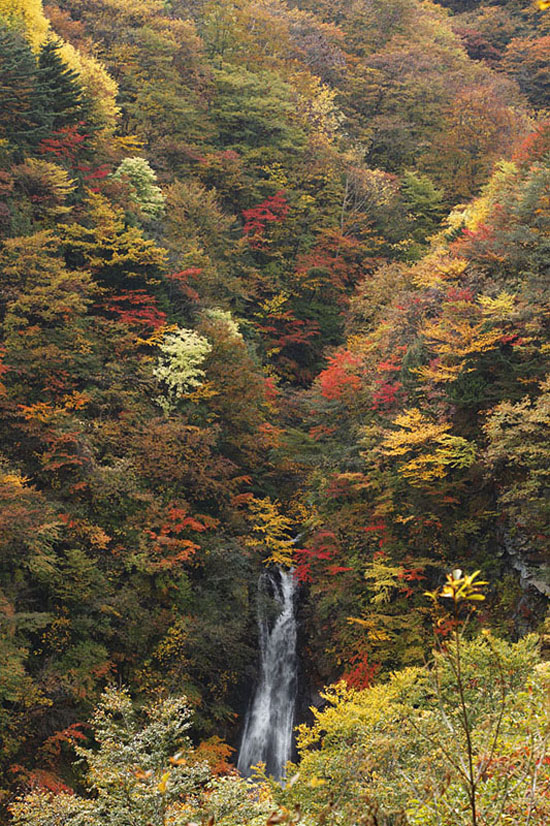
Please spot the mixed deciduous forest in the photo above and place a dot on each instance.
(274, 293)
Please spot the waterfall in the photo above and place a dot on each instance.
(269, 721)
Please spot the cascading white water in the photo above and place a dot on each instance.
(269, 722)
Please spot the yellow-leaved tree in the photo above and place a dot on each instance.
(28, 16)
(270, 532)
(100, 87)
(426, 448)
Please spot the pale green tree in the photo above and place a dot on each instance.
(179, 364)
(144, 191)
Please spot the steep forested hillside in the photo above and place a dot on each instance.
(274, 290)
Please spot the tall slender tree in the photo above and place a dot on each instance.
(60, 87)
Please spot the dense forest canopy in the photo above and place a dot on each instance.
(274, 291)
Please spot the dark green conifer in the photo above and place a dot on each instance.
(60, 87)
(23, 117)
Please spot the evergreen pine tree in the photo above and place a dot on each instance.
(60, 87)
(23, 116)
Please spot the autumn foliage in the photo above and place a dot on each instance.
(274, 291)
